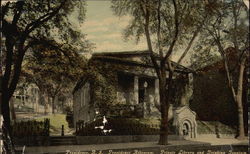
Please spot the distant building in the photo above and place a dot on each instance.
(125, 84)
(27, 95)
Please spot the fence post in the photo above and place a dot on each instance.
(62, 134)
(76, 128)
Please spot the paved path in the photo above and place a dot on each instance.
(221, 141)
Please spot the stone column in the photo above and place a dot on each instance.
(136, 90)
(157, 94)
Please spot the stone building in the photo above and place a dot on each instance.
(126, 84)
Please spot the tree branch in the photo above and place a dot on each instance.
(17, 69)
(191, 41)
(21, 49)
(159, 29)
(170, 50)
(18, 12)
(8, 63)
(4, 10)
(53, 46)
(149, 43)
(235, 20)
(241, 77)
(30, 27)
(229, 77)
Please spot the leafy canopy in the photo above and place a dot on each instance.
(32, 16)
(228, 26)
(186, 18)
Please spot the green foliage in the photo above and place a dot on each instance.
(228, 25)
(54, 70)
(103, 77)
(103, 88)
(203, 55)
(188, 18)
(210, 90)
(23, 25)
(49, 29)
(210, 127)
(120, 126)
(56, 122)
(123, 110)
(60, 26)
(31, 128)
(103, 80)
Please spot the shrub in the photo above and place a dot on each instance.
(31, 128)
(118, 126)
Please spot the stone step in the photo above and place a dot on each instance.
(54, 139)
(62, 140)
(63, 143)
(62, 137)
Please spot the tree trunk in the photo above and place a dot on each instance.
(12, 110)
(46, 105)
(164, 113)
(241, 133)
(41, 99)
(6, 122)
(37, 102)
(53, 104)
(164, 101)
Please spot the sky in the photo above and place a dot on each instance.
(105, 29)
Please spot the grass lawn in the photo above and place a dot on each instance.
(207, 127)
(56, 122)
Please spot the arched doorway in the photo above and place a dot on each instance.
(185, 122)
(188, 129)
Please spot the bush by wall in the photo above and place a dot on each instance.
(118, 126)
(31, 128)
(214, 127)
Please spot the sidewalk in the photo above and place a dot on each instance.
(102, 147)
(124, 148)
(221, 141)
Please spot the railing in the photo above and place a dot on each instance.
(31, 128)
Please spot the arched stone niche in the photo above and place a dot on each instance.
(185, 122)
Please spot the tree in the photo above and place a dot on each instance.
(228, 32)
(54, 70)
(174, 24)
(24, 20)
